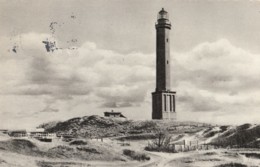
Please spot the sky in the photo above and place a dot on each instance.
(106, 59)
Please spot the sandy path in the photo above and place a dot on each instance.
(164, 159)
(158, 159)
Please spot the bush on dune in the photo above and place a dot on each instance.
(135, 155)
(223, 128)
(21, 146)
(78, 142)
(146, 125)
(161, 143)
(252, 155)
(241, 137)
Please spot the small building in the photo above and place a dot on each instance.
(113, 114)
(41, 135)
(17, 133)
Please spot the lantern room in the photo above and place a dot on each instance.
(163, 15)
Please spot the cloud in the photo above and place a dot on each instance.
(220, 66)
(49, 109)
(109, 76)
(114, 104)
(216, 76)
(199, 103)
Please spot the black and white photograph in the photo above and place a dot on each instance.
(129, 83)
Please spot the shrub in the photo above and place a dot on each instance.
(135, 155)
(161, 143)
(89, 150)
(210, 153)
(223, 128)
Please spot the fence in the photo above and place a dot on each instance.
(184, 145)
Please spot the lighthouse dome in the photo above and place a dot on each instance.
(163, 14)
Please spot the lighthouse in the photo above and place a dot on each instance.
(163, 99)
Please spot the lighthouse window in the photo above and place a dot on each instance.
(170, 102)
(167, 62)
(165, 103)
(167, 40)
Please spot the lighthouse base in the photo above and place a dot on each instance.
(163, 105)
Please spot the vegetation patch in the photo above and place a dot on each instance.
(146, 125)
(98, 127)
(67, 139)
(187, 160)
(223, 128)
(251, 155)
(138, 137)
(243, 127)
(210, 159)
(231, 154)
(178, 137)
(228, 133)
(89, 150)
(1, 148)
(2, 161)
(207, 130)
(135, 155)
(78, 142)
(243, 137)
(232, 165)
(61, 152)
(210, 153)
(57, 164)
(21, 146)
(61, 148)
(211, 134)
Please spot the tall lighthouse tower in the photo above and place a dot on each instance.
(163, 99)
